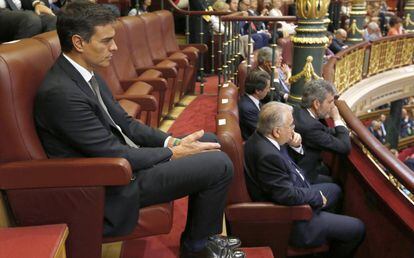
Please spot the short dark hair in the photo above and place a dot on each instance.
(256, 80)
(394, 20)
(80, 17)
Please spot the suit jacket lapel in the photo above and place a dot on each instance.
(75, 76)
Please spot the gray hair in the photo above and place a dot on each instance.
(272, 115)
(373, 26)
(265, 54)
(316, 90)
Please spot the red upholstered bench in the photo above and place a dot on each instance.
(30, 242)
(258, 252)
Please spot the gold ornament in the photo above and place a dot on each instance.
(307, 72)
(311, 9)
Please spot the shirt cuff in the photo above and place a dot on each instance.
(166, 141)
(298, 149)
(339, 123)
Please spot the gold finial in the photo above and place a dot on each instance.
(307, 72)
(312, 9)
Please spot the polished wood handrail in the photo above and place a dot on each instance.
(186, 12)
(259, 18)
(397, 168)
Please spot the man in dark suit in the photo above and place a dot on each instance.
(24, 18)
(280, 87)
(318, 104)
(338, 41)
(77, 116)
(257, 86)
(273, 176)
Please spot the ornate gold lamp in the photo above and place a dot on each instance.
(308, 45)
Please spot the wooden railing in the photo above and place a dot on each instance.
(394, 170)
(366, 59)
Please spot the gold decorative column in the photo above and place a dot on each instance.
(356, 22)
(409, 16)
(308, 45)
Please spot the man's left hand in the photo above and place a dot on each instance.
(42, 9)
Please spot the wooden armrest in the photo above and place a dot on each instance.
(147, 102)
(48, 173)
(267, 212)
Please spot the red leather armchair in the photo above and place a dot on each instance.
(50, 191)
(256, 223)
(228, 99)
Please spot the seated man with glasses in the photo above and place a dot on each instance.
(274, 176)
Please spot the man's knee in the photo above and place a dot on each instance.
(222, 165)
(359, 229)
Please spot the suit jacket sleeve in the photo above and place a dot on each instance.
(275, 180)
(330, 139)
(72, 117)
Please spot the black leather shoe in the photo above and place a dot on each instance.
(218, 247)
(230, 242)
(211, 250)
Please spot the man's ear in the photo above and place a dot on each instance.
(77, 43)
(316, 104)
(275, 133)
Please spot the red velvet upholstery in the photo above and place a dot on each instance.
(50, 191)
(142, 59)
(256, 223)
(39, 241)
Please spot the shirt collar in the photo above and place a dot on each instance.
(84, 72)
(275, 143)
(311, 114)
(255, 101)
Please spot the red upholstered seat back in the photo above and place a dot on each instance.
(287, 50)
(21, 74)
(228, 132)
(167, 22)
(140, 51)
(51, 39)
(154, 35)
(121, 59)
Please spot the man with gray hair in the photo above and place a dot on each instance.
(273, 176)
(281, 74)
(317, 105)
(372, 32)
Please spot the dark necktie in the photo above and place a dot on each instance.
(95, 87)
(12, 5)
(285, 154)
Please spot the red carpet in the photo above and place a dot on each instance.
(200, 114)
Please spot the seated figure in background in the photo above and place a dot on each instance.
(372, 32)
(376, 130)
(338, 42)
(406, 125)
(280, 76)
(257, 86)
(24, 19)
(273, 176)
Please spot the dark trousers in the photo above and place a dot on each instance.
(343, 233)
(23, 24)
(205, 177)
